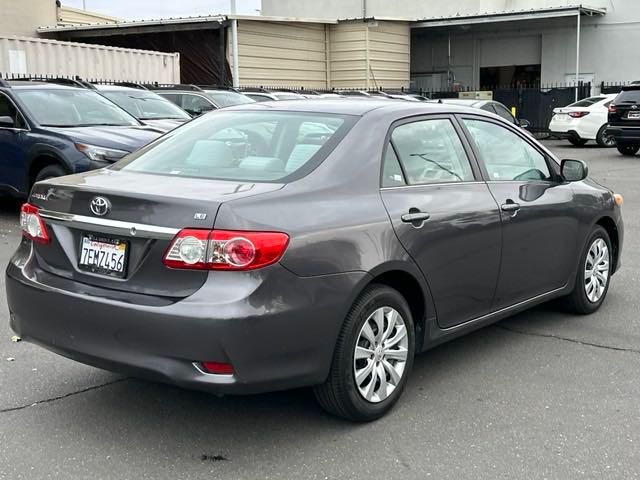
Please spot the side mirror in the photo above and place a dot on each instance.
(7, 122)
(524, 123)
(574, 170)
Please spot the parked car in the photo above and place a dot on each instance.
(48, 130)
(148, 107)
(315, 243)
(196, 100)
(488, 106)
(624, 120)
(583, 121)
(273, 96)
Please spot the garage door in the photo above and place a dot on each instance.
(498, 52)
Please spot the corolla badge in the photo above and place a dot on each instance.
(100, 206)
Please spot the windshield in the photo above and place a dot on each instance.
(145, 105)
(227, 98)
(73, 108)
(244, 146)
(587, 102)
(288, 96)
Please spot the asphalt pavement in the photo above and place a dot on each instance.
(542, 395)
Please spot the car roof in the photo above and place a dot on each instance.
(37, 85)
(471, 102)
(118, 87)
(355, 106)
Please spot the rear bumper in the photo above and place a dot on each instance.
(624, 135)
(276, 329)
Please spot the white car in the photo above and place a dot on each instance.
(583, 121)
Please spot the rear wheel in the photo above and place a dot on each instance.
(604, 140)
(372, 358)
(628, 150)
(594, 274)
(578, 142)
(50, 171)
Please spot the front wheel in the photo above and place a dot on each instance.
(594, 274)
(578, 142)
(628, 150)
(604, 140)
(372, 359)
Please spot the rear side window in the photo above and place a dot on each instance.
(244, 146)
(504, 113)
(628, 96)
(431, 151)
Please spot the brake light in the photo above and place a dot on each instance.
(225, 249)
(612, 108)
(217, 368)
(578, 114)
(32, 225)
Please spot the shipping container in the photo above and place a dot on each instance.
(38, 56)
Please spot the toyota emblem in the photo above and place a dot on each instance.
(100, 206)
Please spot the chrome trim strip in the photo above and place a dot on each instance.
(503, 310)
(114, 227)
(444, 184)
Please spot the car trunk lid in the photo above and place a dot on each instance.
(138, 213)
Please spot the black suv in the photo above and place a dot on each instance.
(51, 129)
(624, 120)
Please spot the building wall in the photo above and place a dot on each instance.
(316, 55)
(369, 55)
(409, 9)
(282, 54)
(68, 15)
(607, 45)
(22, 17)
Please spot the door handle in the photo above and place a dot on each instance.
(510, 206)
(415, 217)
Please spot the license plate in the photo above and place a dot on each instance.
(633, 115)
(107, 256)
(562, 116)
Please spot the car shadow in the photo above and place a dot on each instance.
(205, 427)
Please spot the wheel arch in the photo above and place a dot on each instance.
(611, 228)
(408, 280)
(39, 160)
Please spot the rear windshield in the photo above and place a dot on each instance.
(587, 102)
(73, 108)
(227, 98)
(146, 105)
(628, 96)
(248, 146)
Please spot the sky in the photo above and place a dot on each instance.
(145, 9)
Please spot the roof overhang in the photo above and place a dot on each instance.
(166, 24)
(512, 16)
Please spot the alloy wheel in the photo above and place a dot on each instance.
(381, 354)
(596, 270)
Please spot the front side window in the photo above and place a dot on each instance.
(431, 151)
(506, 155)
(243, 146)
(58, 107)
(196, 104)
(8, 109)
(145, 105)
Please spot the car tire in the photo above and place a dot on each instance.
(581, 300)
(578, 142)
(340, 394)
(50, 171)
(603, 140)
(628, 150)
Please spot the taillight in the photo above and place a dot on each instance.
(612, 108)
(578, 114)
(225, 249)
(32, 225)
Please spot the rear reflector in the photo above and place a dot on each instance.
(578, 114)
(225, 249)
(32, 225)
(612, 108)
(217, 368)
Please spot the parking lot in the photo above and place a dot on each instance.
(541, 395)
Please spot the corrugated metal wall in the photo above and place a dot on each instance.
(74, 16)
(281, 53)
(35, 56)
(369, 55)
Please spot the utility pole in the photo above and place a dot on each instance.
(234, 46)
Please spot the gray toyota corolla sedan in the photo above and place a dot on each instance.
(317, 243)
